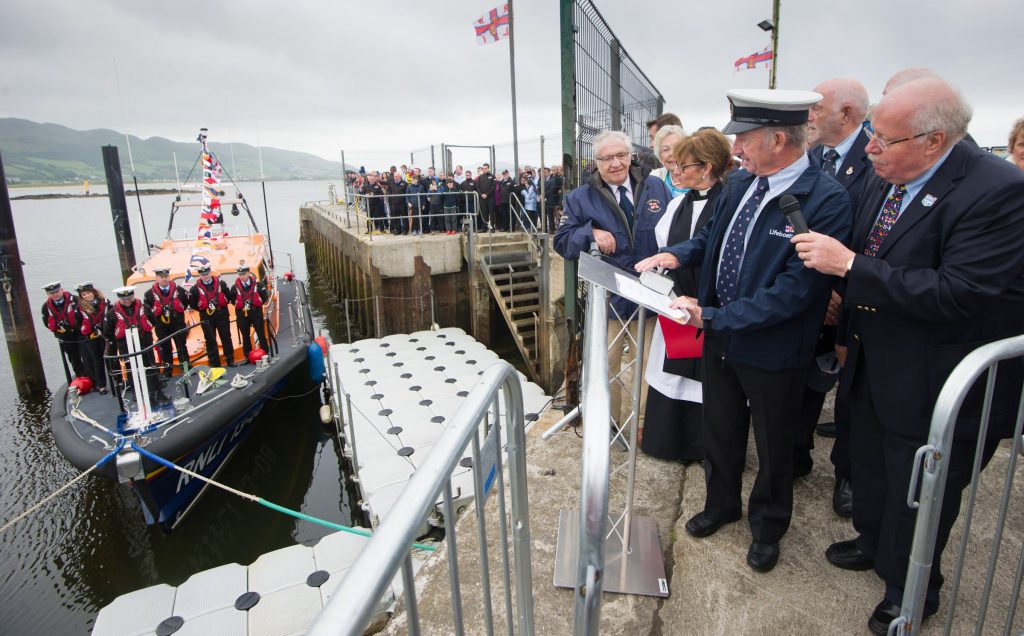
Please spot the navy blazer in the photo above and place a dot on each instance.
(855, 170)
(592, 206)
(774, 322)
(947, 279)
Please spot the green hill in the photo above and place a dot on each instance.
(51, 153)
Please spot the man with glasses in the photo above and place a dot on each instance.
(761, 312)
(618, 207)
(934, 272)
(835, 128)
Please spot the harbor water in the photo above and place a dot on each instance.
(89, 545)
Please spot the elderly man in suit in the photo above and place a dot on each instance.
(760, 312)
(934, 272)
(835, 128)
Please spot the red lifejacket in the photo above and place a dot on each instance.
(171, 299)
(204, 294)
(92, 324)
(125, 320)
(251, 296)
(66, 313)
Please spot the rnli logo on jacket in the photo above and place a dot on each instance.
(654, 206)
(786, 232)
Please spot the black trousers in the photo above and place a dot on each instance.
(882, 462)
(180, 344)
(501, 219)
(218, 324)
(245, 326)
(72, 352)
(807, 422)
(841, 447)
(487, 210)
(774, 403)
(92, 358)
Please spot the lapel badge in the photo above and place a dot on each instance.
(928, 200)
(849, 171)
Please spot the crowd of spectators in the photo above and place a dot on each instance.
(404, 200)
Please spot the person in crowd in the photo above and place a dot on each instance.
(429, 209)
(837, 138)
(377, 222)
(458, 176)
(210, 297)
(485, 187)
(435, 200)
(249, 297)
(92, 310)
(665, 141)
(1016, 144)
(760, 311)
(933, 272)
(451, 200)
(124, 314)
(554, 203)
(399, 205)
(506, 188)
(61, 317)
(468, 186)
(617, 207)
(552, 196)
(166, 303)
(527, 193)
(417, 203)
(673, 412)
(664, 119)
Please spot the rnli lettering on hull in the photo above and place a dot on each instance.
(208, 457)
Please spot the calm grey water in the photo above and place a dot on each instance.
(90, 545)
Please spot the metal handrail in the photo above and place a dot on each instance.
(596, 416)
(933, 481)
(350, 607)
(362, 216)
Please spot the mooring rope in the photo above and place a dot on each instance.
(265, 503)
(71, 483)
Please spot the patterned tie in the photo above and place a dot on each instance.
(732, 252)
(626, 205)
(829, 164)
(887, 219)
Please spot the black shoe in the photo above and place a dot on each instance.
(885, 612)
(826, 429)
(762, 557)
(230, 364)
(847, 555)
(703, 524)
(842, 498)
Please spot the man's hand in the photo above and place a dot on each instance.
(661, 259)
(690, 306)
(822, 253)
(835, 304)
(605, 241)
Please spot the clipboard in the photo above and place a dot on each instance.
(627, 285)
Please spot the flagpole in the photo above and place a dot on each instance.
(775, 44)
(512, 71)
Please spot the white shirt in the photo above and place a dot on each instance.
(615, 191)
(778, 183)
(844, 147)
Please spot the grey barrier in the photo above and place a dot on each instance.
(935, 456)
(350, 607)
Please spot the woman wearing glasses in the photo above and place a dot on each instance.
(672, 428)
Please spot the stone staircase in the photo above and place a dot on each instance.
(511, 271)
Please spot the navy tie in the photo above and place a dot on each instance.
(829, 163)
(732, 252)
(626, 205)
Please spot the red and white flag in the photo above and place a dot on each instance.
(492, 26)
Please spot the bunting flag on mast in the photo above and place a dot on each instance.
(492, 26)
(211, 219)
(752, 60)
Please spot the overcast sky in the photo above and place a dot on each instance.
(398, 75)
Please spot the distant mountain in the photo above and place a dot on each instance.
(50, 153)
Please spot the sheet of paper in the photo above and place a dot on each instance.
(631, 288)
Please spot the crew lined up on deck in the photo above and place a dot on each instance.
(442, 201)
(912, 261)
(88, 327)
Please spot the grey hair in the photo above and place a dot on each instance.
(850, 92)
(665, 131)
(796, 136)
(949, 113)
(612, 135)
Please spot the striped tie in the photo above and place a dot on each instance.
(887, 219)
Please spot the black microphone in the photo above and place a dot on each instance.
(791, 209)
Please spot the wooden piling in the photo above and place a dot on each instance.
(119, 211)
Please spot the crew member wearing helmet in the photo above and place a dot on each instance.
(249, 296)
(167, 303)
(210, 297)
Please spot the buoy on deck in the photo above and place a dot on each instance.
(82, 384)
(256, 355)
(289, 277)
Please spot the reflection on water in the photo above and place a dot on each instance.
(90, 544)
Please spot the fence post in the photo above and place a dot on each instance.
(544, 332)
(376, 312)
(543, 199)
(615, 88)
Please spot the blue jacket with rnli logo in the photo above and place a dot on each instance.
(592, 206)
(774, 322)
